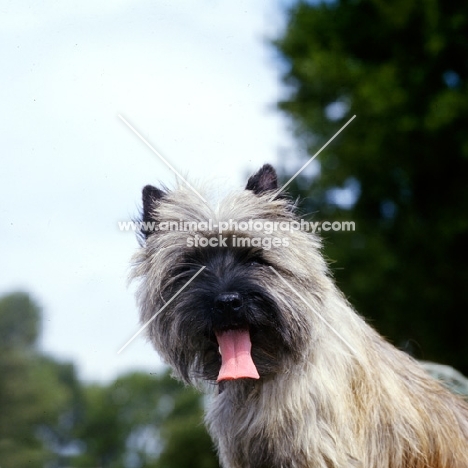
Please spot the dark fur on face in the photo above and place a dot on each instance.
(202, 309)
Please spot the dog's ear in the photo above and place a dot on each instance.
(151, 198)
(263, 181)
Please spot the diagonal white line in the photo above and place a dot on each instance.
(161, 309)
(158, 155)
(312, 158)
(314, 311)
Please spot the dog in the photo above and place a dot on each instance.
(300, 379)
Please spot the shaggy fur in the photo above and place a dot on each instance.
(322, 400)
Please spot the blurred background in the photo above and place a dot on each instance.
(219, 89)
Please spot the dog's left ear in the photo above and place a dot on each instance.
(263, 181)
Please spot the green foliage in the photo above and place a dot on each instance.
(19, 320)
(401, 68)
(35, 392)
(186, 442)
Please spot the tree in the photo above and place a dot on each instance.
(19, 321)
(401, 166)
(36, 393)
(186, 441)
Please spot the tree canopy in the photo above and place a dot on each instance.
(37, 394)
(400, 170)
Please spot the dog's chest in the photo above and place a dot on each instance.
(249, 435)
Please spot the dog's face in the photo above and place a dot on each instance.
(207, 325)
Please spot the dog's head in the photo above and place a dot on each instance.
(216, 289)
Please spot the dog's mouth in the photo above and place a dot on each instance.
(236, 360)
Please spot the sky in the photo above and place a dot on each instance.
(198, 80)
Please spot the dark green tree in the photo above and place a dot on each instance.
(19, 321)
(400, 170)
(186, 441)
(36, 393)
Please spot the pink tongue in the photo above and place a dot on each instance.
(235, 349)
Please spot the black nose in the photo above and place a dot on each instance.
(228, 302)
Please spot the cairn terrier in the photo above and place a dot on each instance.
(300, 379)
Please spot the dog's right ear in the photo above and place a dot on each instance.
(151, 198)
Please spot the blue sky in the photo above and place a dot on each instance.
(197, 80)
